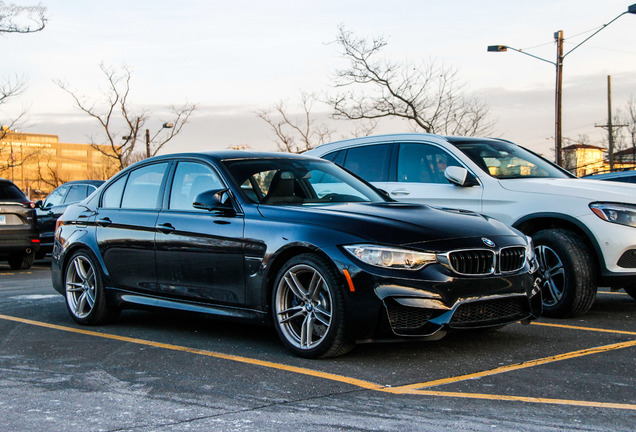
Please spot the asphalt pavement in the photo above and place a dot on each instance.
(164, 371)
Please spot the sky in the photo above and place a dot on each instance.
(234, 58)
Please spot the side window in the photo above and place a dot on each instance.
(190, 179)
(143, 186)
(112, 195)
(77, 193)
(56, 197)
(369, 162)
(336, 157)
(423, 163)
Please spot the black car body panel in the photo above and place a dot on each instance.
(225, 261)
(49, 210)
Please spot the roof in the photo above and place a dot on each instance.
(584, 146)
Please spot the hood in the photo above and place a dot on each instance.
(592, 190)
(397, 223)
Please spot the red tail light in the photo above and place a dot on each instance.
(29, 204)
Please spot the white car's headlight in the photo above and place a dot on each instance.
(388, 257)
(623, 214)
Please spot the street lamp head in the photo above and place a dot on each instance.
(497, 48)
(168, 125)
(632, 9)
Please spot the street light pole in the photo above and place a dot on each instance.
(558, 37)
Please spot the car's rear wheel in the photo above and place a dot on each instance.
(569, 285)
(85, 298)
(21, 261)
(308, 308)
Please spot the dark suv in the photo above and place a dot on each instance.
(19, 240)
(54, 205)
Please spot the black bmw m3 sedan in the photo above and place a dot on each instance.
(291, 241)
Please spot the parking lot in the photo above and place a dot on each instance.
(162, 371)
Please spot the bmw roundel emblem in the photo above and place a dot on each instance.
(488, 242)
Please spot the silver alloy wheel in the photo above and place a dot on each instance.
(80, 286)
(304, 306)
(553, 275)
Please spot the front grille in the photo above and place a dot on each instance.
(472, 262)
(494, 311)
(628, 259)
(512, 259)
(404, 318)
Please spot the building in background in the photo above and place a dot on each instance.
(586, 159)
(38, 163)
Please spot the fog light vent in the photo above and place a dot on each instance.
(628, 259)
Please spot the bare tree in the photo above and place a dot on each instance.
(122, 128)
(430, 96)
(296, 133)
(22, 19)
(16, 19)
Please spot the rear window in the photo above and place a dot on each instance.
(10, 192)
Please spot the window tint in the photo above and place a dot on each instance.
(190, 179)
(336, 157)
(112, 195)
(369, 162)
(10, 192)
(77, 193)
(56, 197)
(142, 188)
(423, 163)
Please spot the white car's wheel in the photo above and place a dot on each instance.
(569, 285)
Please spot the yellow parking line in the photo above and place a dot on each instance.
(299, 370)
(407, 390)
(584, 328)
(513, 367)
(524, 399)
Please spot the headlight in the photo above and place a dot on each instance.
(623, 214)
(531, 256)
(388, 257)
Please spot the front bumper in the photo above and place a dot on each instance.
(616, 248)
(426, 308)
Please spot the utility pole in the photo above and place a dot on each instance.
(147, 143)
(610, 127)
(558, 36)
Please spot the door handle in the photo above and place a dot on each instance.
(104, 222)
(165, 228)
(400, 192)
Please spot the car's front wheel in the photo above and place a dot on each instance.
(308, 308)
(85, 298)
(569, 285)
(21, 261)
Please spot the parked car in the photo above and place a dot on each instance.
(583, 230)
(293, 241)
(18, 233)
(618, 176)
(53, 206)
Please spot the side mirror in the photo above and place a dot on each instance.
(211, 200)
(460, 176)
(38, 204)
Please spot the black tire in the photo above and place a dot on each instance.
(295, 309)
(84, 285)
(22, 261)
(631, 290)
(569, 271)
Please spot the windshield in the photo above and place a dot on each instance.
(298, 182)
(505, 160)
